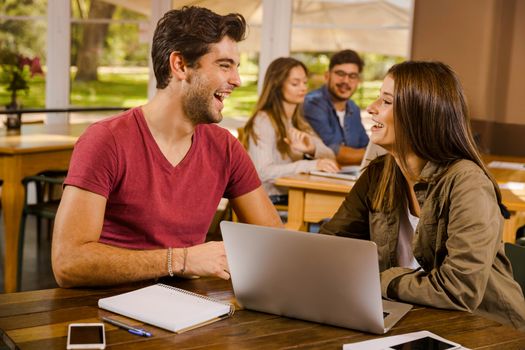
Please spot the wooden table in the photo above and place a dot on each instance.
(35, 148)
(39, 320)
(314, 198)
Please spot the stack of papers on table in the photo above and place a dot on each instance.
(350, 172)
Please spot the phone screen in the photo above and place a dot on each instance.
(93, 334)
(426, 343)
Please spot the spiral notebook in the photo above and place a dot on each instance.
(167, 307)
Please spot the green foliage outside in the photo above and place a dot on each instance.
(28, 37)
(122, 48)
(33, 98)
(112, 90)
(127, 90)
(243, 99)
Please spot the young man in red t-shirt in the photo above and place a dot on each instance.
(143, 186)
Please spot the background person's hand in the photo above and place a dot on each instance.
(300, 141)
(207, 259)
(328, 165)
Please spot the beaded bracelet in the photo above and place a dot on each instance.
(170, 266)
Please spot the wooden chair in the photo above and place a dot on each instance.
(278, 207)
(520, 236)
(516, 255)
(45, 208)
(281, 207)
(240, 133)
(223, 212)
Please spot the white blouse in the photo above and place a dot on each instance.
(269, 162)
(407, 227)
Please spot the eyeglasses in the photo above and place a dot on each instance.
(341, 74)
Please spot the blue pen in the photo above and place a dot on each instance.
(132, 330)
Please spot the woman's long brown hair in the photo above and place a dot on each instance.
(431, 119)
(271, 102)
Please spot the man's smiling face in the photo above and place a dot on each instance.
(212, 80)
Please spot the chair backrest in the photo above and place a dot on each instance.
(240, 133)
(516, 255)
(372, 152)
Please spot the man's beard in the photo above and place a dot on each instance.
(334, 94)
(196, 104)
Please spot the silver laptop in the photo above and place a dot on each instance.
(314, 277)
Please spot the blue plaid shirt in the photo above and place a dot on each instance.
(321, 114)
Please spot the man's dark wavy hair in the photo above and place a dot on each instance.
(346, 56)
(190, 31)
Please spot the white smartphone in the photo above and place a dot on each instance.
(86, 336)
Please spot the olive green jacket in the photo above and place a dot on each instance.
(457, 243)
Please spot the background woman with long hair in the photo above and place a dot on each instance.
(430, 204)
(277, 137)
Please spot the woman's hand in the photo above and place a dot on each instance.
(300, 141)
(328, 165)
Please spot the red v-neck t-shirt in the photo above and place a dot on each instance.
(150, 203)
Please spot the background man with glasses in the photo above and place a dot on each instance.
(332, 114)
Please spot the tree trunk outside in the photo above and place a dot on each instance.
(93, 37)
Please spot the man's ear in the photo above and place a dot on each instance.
(178, 66)
(326, 75)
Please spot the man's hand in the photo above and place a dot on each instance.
(207, 259)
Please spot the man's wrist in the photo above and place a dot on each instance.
(176, 261)
(170, 261)
(184, 258)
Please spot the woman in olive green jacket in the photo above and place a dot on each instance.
(430, 205)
